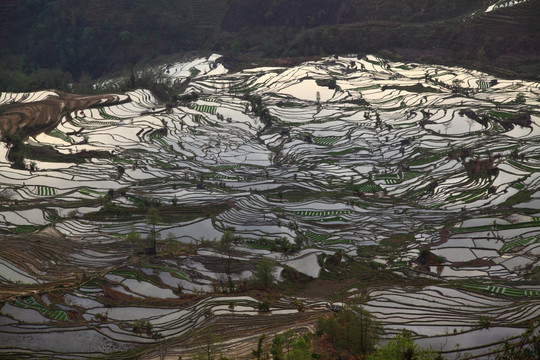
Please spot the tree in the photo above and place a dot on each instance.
(235, 48)
(301, 349)
(281, 344)
(210, 346)
(520, 98)
(264, 274)
(353, 329)
(402, 347)
(152, 218)
(171, 245)
(226, 242)
(133, 236)
(264, 306)
(290, 346)
(124, 35)
(141, 325)
(456, 84)
(527, 347)
(259, 351)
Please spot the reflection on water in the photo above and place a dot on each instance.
(307, 90)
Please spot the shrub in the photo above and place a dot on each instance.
(526, 347)
(484, 322)
(263, 277)
(403, 347)
(520, 98)
(141, 325)
(264, 306)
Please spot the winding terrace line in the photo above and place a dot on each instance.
(240, 337)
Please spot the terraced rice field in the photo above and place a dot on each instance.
(431, 192)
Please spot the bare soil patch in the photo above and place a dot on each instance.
(34, 117)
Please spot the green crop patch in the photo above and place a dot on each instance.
(176, 273)
(459, 230)
(194, 71)
(163, 164)
(107, 116)
(414, 193)
(368, 187)
(158, 137)
(400, 264)
(519, 242)
(29, 302)
(501, 115)
(386, 177)
(482, 84)
(506, 291)
(322, 213)
(316, 237)
(87, 191)
(408, 175)
(424, 160)
(42, 190)
(92, 124)
(58, 134)
(326, 141)
(522, 166)
(334, 218)
(209, 109)
(337, 242)
(25, 229)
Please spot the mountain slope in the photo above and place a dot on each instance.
(91, 40)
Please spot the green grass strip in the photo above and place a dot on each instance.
(505, 290)
(495, 228)
(107, 116)
(346, 151)
(519, 242)
(521, 166)
(369, 187)
(25, 229)
(157, 137)
(326, 141)
(322, 213)
(174, 272)
(60, 135)
(30, 303)
(209, 109)
(420, 160)
(43, 190)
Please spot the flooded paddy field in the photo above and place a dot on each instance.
(411, 187)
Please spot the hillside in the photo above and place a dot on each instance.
(130, 228)
(49, 42)
(506, 41)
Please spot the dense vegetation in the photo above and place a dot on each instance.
(50, 44)
(350, 333)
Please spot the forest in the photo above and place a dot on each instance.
(57, 43)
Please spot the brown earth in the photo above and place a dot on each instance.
(324, 289)
(50, 254)
(34, 117)
(235, 335)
